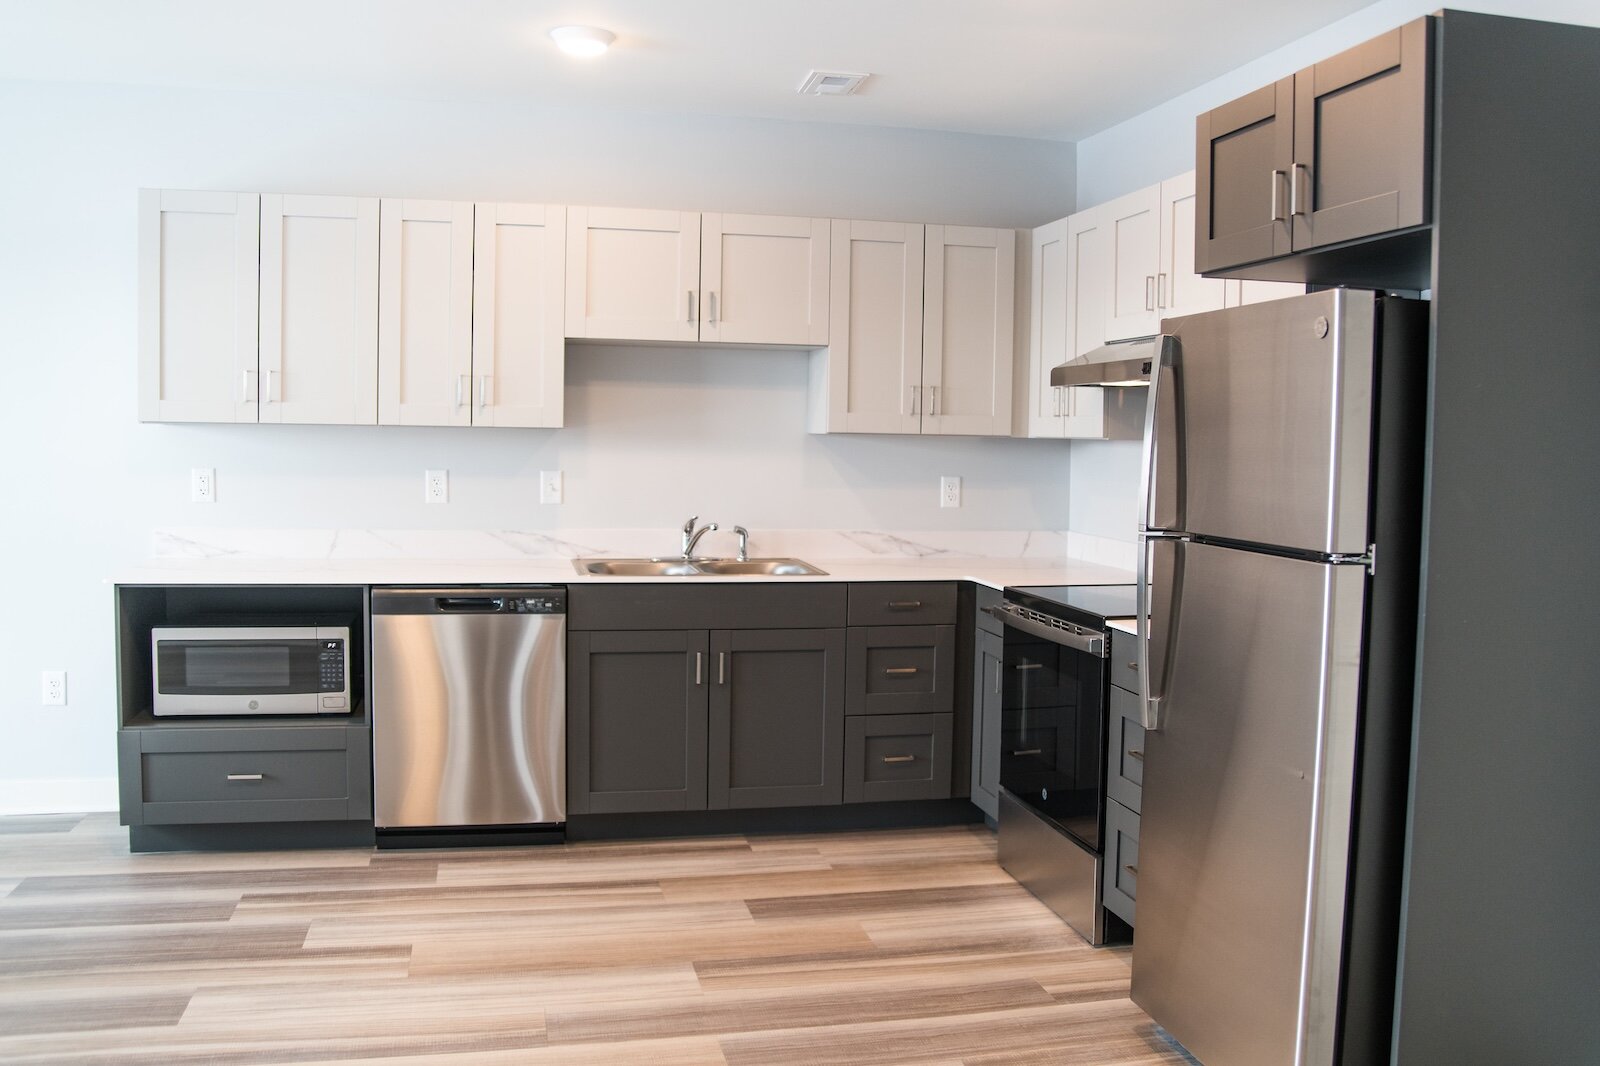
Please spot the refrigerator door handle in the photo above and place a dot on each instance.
(1160, 574)
(1161, 472)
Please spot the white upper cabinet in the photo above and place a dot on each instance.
(1047, 325)
(1179, 290)
(197, 305)
(319, 309)
(633, 274)
(968, 317)
(869, 379)
(1091, 279)
(518, 346)
(1133, 226)
(425, 313)
(764, 279)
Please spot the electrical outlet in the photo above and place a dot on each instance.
(436, 486)
(202, 485)
(949, 492)
(55, 688)
(549, 486)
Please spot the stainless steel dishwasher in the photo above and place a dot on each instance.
(469, 715)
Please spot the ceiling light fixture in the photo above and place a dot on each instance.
(585, 42)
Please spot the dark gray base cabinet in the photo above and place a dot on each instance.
(902, 669)
(988, 683)
(695, 720)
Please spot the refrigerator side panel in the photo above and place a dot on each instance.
(1245, 826)
(1276, 421)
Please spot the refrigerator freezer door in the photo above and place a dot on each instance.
(1246, 808)
(1276, 421)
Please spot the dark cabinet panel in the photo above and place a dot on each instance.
(903, 603)
(901, 670)
(988, 684)
(1244, 150)
(636, 718)
(897, 757)
(1121, 872)
(776, 717)
(678, 606)
(1125, 751)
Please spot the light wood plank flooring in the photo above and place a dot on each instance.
(891, 947)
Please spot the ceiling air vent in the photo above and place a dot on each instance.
(831, 83)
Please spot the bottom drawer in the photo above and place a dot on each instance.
(179, 776)
(1122, 860)
(897, 757)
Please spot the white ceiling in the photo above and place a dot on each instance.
(1056, 69)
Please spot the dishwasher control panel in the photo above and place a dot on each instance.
(543, 603)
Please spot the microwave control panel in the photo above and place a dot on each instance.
(331, 664)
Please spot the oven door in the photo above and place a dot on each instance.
(254, 670)
(1052, 732)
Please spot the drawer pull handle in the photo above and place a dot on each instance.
(904, 605)
(1029, 666)
(245, 777)
(1134, 666)
(1028, 751)
(1134, 753)
(1134, 870)
(900, 669)
(899, 758)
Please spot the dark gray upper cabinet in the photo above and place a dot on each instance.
(777, 717)
(1338, 152)
(636, 721)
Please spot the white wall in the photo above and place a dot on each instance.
(654, 433)
(1160, 143)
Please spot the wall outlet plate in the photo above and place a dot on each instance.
(203, 485)
(55, 688)
(949, 492)
(436, 486)
(549, 486)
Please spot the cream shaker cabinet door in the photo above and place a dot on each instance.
(1047, 326)
(764, 279)
(968, 321)
(1089, 283)
(873, 379)
(633, 274)
(1133, 223)
(518, 290)
(319, 309)
(1179, 290)
(425, 313)
(198, 275)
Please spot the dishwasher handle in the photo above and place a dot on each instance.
(469, 604)
(469, 599)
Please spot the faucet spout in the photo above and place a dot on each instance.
(691, 536)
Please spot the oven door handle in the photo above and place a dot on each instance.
(1093, 643)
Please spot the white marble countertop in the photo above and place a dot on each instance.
(1127, 625)
(996, 572)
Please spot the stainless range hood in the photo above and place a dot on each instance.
(1118, 363)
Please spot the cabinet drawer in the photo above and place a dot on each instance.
(897, 757)
(900, 670)
(1125, 752)
(1125, 660)
(1121, 874)
(182, 776)
(903, 603)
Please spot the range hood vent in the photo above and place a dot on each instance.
(1118, 363)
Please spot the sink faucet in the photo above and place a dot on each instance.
(691, 535)
(744, 543)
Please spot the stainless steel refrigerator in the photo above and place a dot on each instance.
(1279, 534)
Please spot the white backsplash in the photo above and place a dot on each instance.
(460, 544)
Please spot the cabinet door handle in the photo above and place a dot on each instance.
(899, 758)
(1029, 666)
(245, 777)
(699, 669)
(483, 391)
(1028, 751)
(1277, 184)
(712, 318)
(273, 388)
(1294, 188)
(1134, 753)
(900, 669)
(247, 387)
(903, 605)
(722, 668)
(1134, 870)
(1161, 290)
(1134, 666)
(1149, 292)
(1055, 399)
(933, 400)
(915, 396)
(461, 388)
(997, 676)
(691, 306)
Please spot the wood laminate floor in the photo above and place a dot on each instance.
(891, 947)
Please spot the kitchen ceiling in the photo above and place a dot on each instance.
(1055, 69)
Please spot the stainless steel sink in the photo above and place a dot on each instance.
(694, 567)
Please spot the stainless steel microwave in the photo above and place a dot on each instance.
(251, 669)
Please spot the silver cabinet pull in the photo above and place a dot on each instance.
(247, 388)
(900, 669)
(933, 400)
(1029, 666)
(1294, 188)
(245, 777)
(1134, 870)
(903, 605)
(1161, 290)
(712, 318)
(483, 391)
(1134, 753)
(916, 394)
(1134, 666)
(899, 758)
(1028, 751)
(1149, 292)
(691, 306)
(997, 668)
(461, 388)
(722, 668)
(273, 393)
(699, 669)
(1277, 183)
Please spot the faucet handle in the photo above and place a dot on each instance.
(688, 527)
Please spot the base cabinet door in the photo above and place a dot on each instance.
(988, 682)
(636, 721)
(776, 718)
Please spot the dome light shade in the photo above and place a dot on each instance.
(584, 41)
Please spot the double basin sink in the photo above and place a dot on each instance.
(695, 567)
